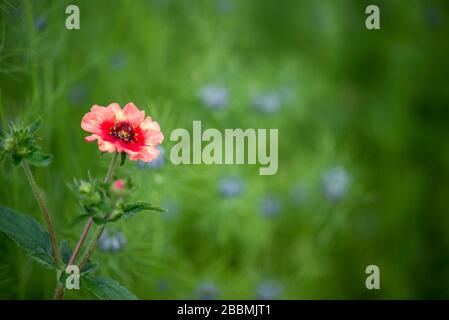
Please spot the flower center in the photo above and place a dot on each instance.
(123, 131)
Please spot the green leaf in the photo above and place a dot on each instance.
(133, 208)
(39, 159)
(66, 252)
(122, 158)
(100, 220)
(28, 234)
(32, 128)
(106, 288)
(89, 267)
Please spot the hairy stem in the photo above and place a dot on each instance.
(89, 222)
(92, 245)
(60, 291)
(81, 241)
(111, 168)
(44, 210)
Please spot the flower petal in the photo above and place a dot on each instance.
(152, 132)
(133, 115)
(103, 145)
(118, 112)
(153, 138)
(147, 154)
(92, 120)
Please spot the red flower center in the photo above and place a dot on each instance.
(123, 131)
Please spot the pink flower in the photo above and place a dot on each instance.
(123, 130)
(119, 184)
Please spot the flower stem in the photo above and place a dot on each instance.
(111, 168)
(89, 222)
(92, 245)
(80, 241)
(44, 210)
(60, 292)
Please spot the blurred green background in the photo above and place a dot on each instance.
(363, 125)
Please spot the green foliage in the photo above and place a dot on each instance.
(28, 234)
(66, 252)
(39, 159)
(356, 102)
(20, 142)
(33, 127)
(106, 288)
(131, 209)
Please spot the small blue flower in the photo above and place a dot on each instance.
(268, 103)
(214, 97)
(335, 183)
(207, 291)
(78, 95)
(111, 241)
(40, 23)
(269, 290)
(225, 6)
(231, 186)
(118, 60)
(433, 17)
(270, 206)
(156, 163)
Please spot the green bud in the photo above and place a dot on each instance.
(92, 200)
(9, 144)
(115, 215)
(21, 144)
(22, 151)
(85, 187)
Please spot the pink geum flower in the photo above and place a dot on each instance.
(123, 130)
(119, 184)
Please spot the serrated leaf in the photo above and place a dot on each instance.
(89, 267)
(39, 159)
(133, 208)
(32, 128)
(28, 234)
(106, 288)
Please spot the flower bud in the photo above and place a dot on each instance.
(92, 200)
(119, 187)
(8, 144)
(85, 187)
(115, 214)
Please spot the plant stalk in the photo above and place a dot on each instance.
(92, 245)
(60, 291)
(90, 221)
(44, 210)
